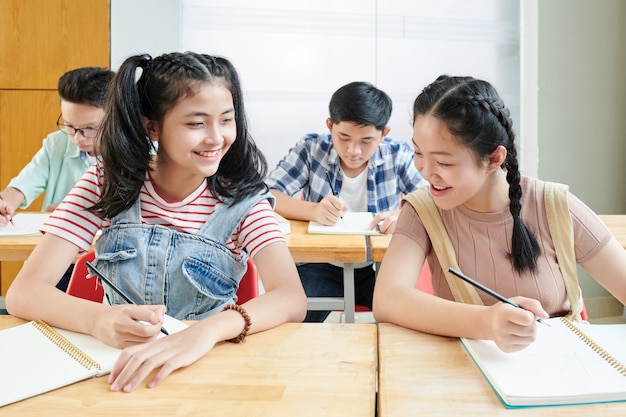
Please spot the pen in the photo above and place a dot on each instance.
(488, 290)
(332, 189)
(117, 290)
(10, 218)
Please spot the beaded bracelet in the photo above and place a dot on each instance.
(246, 317)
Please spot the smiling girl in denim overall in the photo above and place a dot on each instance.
(178, 222)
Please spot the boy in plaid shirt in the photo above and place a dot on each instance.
(367, 170)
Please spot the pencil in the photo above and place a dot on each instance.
(488, 290)
(332, 189)
(117, 290)
(10, 218)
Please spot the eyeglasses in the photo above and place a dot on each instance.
(87, 132)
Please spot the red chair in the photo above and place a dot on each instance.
(425, 282)
(249, 285)
(91, 289)
(80, 286)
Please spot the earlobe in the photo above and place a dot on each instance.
(153, 129)
(497, 158)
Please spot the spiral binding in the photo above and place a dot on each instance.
(596, 348)
(65, 345)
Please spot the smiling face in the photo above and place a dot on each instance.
(193, 138)
(355, 144)
(81, 116)
(455, 175)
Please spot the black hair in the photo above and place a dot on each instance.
(87, 85)
(124, 141)
(361, 103)
(475, 114)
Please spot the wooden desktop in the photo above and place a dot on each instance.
(423, 374)
(310, 369)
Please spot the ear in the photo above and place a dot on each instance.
(386, 131)
(329, 124)
(153, 129)
(497, 158)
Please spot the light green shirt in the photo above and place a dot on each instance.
(55, 169)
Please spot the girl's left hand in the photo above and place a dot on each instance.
(166, 354)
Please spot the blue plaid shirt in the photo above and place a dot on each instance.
(390, 172)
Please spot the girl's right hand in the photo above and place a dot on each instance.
(515, 328)
(330, 210)
(127, 325)
(6, 213)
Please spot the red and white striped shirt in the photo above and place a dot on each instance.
(74, 223)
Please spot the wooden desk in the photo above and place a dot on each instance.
(615, 222)
(378, 247)
(310, 369)
(422, 374)
(17, 248)
(347, 249)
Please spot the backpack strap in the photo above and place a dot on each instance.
(425, 207)
(562, 232)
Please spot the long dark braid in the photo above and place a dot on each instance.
(475, 114)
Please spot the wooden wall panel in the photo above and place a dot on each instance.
(41, 39)
(27, 117)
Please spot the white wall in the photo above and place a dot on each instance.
(144, 26)
(292, 56)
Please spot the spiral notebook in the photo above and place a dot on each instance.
(38, 358)
(569, 363)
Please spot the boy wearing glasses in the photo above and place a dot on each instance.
(67, 153)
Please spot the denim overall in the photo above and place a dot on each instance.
(193, 275)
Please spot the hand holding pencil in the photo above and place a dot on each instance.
(118, 291)
(330, 209)
(6, 211)
(509, 330)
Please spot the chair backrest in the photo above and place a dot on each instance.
(80, 286)
(249, 285)
(91, 289)
(425, 282)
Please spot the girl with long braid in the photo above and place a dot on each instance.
(178, 222)
(498, 226)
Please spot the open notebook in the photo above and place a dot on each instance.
(24, 224)
(37, 358)
(569, 363)
(353, 223)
